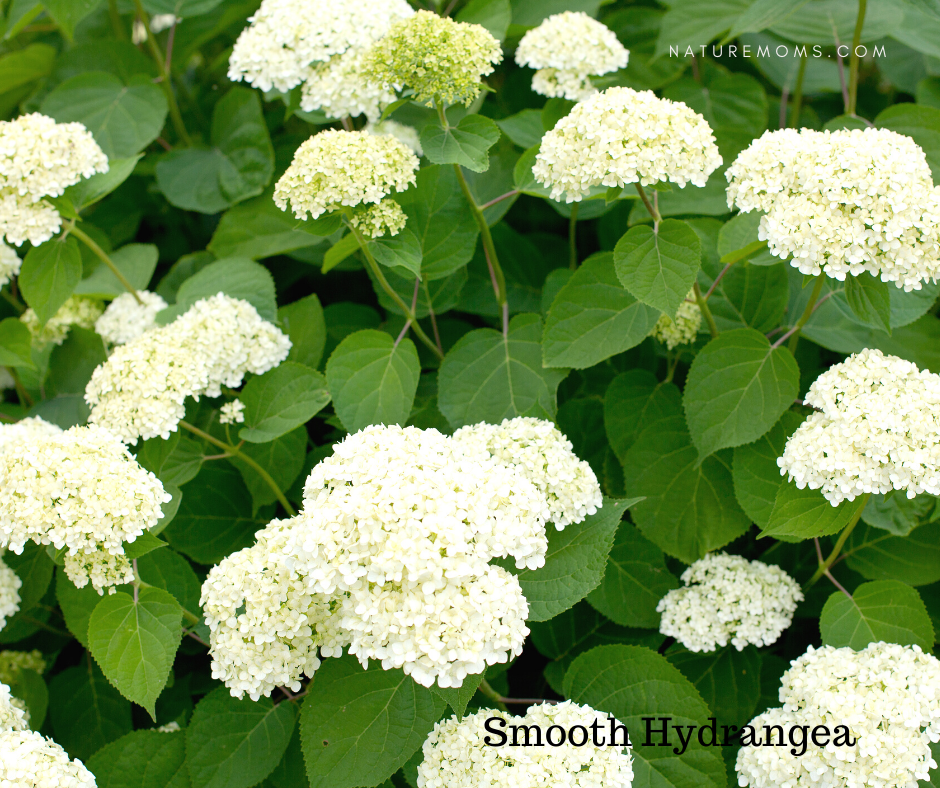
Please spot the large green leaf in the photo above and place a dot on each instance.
(881, 610)
(76, 604)
(68, 13)
(142, 759)
(762, 14)
(303, 321)
(593, 318)
(690, 508)
(459, 697)
(635, 579)
(280, 400)
(628, 405)
(401, 253)
(19, 70)
(494, 15)
(465, 144)
(878, 555)
(237, 277)
(899, 515)
(637, 686)
(359, 726)
(123, 117)
(15, 344)
(239, 164)
(372, 379)
(86, 712)
(804, 514)
(821, 21)
(175, 460)
(170, 571)
(659, 267)
(136, 262)
(49, 275)
(737, 388)
(870, 300)
(232, 743)
(688, 23)
(180, 8)
(487, 376)
(134, 639)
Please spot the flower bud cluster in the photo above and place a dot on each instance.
(682, 330)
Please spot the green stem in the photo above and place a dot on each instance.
(657, 217)
(409, 313)
(706, 312)
(794, 333)
(116, 23)
(846, 532)
(853, 65)
(573, 238)
(166, 82)
(492, 694)
(234, 452)
(90, 243)
(798, 93)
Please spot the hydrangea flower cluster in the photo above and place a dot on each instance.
(318, 44)
(29, 429)
(10, 585)
(877, 430)
(337, 169)
(82, 490)
(682, 330)
(40, 158)
(13, 713)
(438, 58)
(888, 696)
(406, 135)
(125, 319)
(843, 202)
(12, 662)
(727, 598)
(622, 136)
(140, 391)
(30, 759)
(232, 412)
(76, 311)
(9, 263)
(390, 553)
(567, 49)
(456, 756)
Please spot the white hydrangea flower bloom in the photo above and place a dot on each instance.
(456, 755)
(29, 759)
(878, 430)
(13, 714)
(41, 158)
(232, 412)
(385, 217)
(406, 135)
(567, 48)
(9, 263)
(682, 330)
(76, 311)
(10, 585)
(727, 598)
(843, 202)
(545, 456)
(80, 490)
(344, 168)
(125, 319)
(12, 662)
(622, 136)
(140, 391)
(887, 695)
(29, 429)
(320, 45)
(170, 727)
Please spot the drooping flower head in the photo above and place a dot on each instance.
(726, 598)
(76, 311)
(320, 45)
(140, 391)
(41, 158)
(887, 695)
(843, 202)
(438, 58)
(125, 319)
(682, 330)
(9, 263)
(568, 48)
(346, 169)
(79, 490)
(877, 429)
(622, 136)
(29, 759)
(456, 754)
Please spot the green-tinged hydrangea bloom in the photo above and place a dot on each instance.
(438, 58)
(376, 220)
(683, 329)
(12, 662)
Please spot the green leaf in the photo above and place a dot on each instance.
(280, 400)
(529, 13)
(20, 69)
(690, 508)
(440, 294)
(627, 405)
(169, 509)
(30, 687)
(239, 164)
(371, 380)
(805, 514)
(592, 318)
(170, 571)
(881, 610)
(465, 144)
(180, 8)
(303, 321)
(282, 458)
(659, 268)
(214, 518)
(123, 118)
(898, 514)
(175, 460)
(738, 240)
(635, 579)
(136, 261)
(237, 277)
(34, 569)
(401, 253)
(339, 251)
(919, 122)
(490, 377)
(68, 13)
(49, 275)
(761, 15)
(494, 15)
(134, 639)
(756, 474)
(633, 683)
(737, 389)
(459, 697)
(144, 544)
(524, 128)
(820, 20)
(89, 190)
(751, 295)
(233, 743)
(290, 772)
(77, 605)
(15, 344)
(877, 555)
(142, 759)
(870, 300)
(359, 726)
(88, 712)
